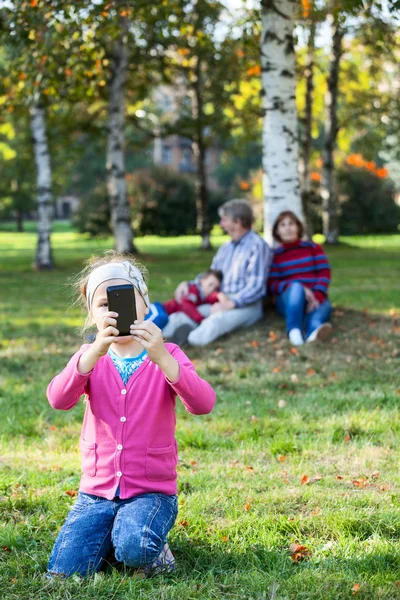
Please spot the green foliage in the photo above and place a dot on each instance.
(163, 203)
(93, 215)
(368, 205)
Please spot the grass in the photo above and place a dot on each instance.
(301, 448)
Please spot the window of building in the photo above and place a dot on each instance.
(167, 155)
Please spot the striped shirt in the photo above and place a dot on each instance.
(301, 261)
(244, 265)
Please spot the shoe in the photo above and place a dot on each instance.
(322, 333)
(181, 334)
(296, 337)
(164, 563)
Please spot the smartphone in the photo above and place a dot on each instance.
(121, 299)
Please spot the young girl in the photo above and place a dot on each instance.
(127, 497)
(300, 276)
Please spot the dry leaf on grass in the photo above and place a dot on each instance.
(305, 480)
(273, 336)
(255, 344)
(361, 482)
(71, 493)
(276, 369)
(298, 552)
(311, 372)
(294, 378)
(294, 351)
(355, 589)
(281, 403)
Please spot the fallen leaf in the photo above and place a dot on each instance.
(375, 475)
(248, 468)
(34, 3)
(219, 351)
(305, 480)
(294, 378)
(193, 463)
(71, 493)
(253, 418)
(6, 549)
(385, 487)
(14, 580)
(311, 372)
(339, 477)
(355, 589)
(247, 506)
(294, 350)
(273, 336)
(360, 483)
(276, 369)
(255, 344)
(281, 458)
(299, 552)
(347, 438)
(333, 375)
(183, 523)
(281, 403)
(224, 538)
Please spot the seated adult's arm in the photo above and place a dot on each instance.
(322, 266)
(254, 287)
(275, 284)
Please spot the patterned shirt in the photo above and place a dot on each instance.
(301, 261)
(244, 265)
(127, 365)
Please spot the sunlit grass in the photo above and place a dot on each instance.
(330, 413)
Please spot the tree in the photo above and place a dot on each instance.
(198, 67)
(280, 129)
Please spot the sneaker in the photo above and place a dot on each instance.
(296, 337)
(164, 563)
(181, 334)
(322, 333)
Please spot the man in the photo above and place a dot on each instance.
(244, 263)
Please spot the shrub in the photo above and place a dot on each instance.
(367, 202)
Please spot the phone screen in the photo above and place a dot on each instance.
(121, 299)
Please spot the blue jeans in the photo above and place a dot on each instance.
(292, 305)
(137, 528)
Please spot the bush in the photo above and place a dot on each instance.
(368, 205)
(93, 215)
(163, 203)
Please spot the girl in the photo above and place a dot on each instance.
(300, 276)
(127, 498)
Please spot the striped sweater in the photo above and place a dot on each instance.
(302, 261)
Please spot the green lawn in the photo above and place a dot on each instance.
(301, 448)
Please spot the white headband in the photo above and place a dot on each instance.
(118, 270)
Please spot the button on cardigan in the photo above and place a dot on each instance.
(128, 431)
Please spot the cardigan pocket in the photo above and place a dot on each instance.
(88, 454)
(160, 464)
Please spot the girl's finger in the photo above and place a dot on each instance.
(110, 331)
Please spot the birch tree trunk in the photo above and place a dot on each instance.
(116, 184)
(306, 129)
(199, 150)
(328, 192)
(43, 258)
(280, 137)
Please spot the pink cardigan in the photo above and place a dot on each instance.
(128, 432)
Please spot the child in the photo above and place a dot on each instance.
(127, 497)
(300, 276)
(202, 291)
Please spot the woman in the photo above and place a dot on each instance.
(300, 276)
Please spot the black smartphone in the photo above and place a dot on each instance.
(121, 299)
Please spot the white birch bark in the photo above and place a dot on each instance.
(43, 258)
(281, 187)
(116, 184)
(328, 191)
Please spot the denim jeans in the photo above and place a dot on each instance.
(292, 305)
(136, 528)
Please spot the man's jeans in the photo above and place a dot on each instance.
(214, 325)
(137, 528)
(292, 305)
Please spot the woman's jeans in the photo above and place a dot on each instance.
(136, 528)
(292, 305)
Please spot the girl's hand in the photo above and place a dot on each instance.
(107, 333)
(150, 337)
